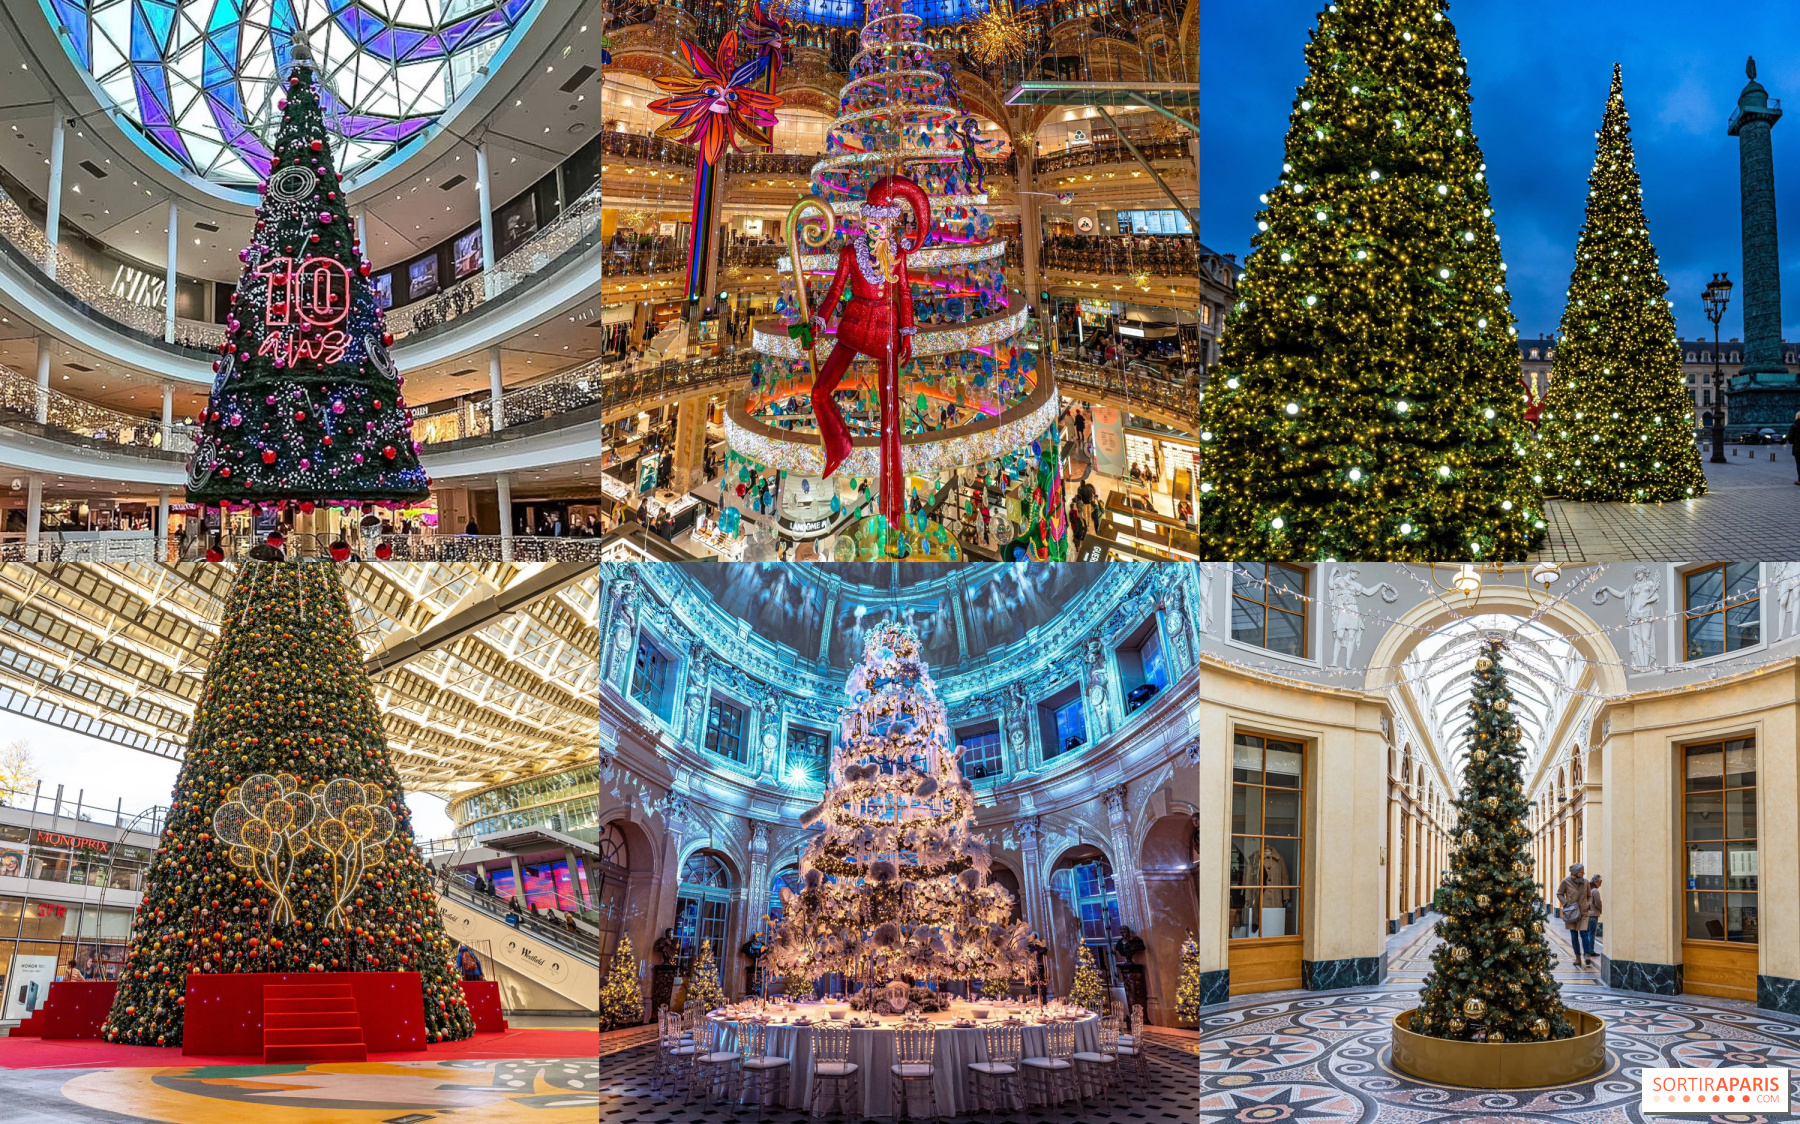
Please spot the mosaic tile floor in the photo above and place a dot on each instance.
(1313, 1057)
(1169, 1096)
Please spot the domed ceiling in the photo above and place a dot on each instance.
(197, 77)
(1000, 603)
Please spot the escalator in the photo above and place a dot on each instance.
(541, 970)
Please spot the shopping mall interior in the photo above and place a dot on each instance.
(1364, 782)
(136, 145)
(1046, 401)
(737, 701)
(154, 712)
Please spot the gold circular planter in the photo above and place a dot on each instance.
(1502, 1065)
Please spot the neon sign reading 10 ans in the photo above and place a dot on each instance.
(318, 289)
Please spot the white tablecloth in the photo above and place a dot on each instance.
(872, 1049)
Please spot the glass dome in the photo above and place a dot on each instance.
(197, 77)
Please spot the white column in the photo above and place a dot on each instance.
(169, 283)
(168, 417)
(42, 411)
(503, 488)
(161, 531)
(53, 217)
(485, 187)
(34, 514)
(362, 233)
(495, 405)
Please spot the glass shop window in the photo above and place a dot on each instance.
(1269, 606)
(980, 745)
(651, 676)
(1719, 828)
(1142, 672)
(725, 730)
(1721, 610)
(1266, 819)
(1062, 725)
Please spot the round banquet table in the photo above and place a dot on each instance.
(872, 1049)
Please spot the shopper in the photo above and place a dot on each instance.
(1594, 912)
(1078, 526)
(1793, 442)
(1574, 898)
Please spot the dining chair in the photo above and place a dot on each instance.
(674, 1052)
(1131, 1050)
(1098, 1064)
(832, 1065)
(1055, 1072)
(717, 1065)
(1004, 1046)
(915, 1057)
(759, 1067)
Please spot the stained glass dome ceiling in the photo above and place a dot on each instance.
(196, 76)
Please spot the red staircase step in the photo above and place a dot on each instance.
(286, 1055)
(322, 1003)
(307, 991)
(311, 1022)
(323, 1035)
(288, 1020)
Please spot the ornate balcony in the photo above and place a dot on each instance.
(1114, 152)
(44, 412)
(1128, 256)
(547, 404)
(640, 146)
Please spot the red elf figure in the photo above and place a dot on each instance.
(878, 323)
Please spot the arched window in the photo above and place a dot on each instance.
(612, 847)
(613, 871)
(702, 902)
(1734, 357)
(788, 879)
(1097, 905)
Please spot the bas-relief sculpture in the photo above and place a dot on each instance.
(1346, 616)
(1786, 582)
(1639, 597)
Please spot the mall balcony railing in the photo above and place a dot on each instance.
(1171, 395)
(1113, 152)
(643, 259)
(764, 255)
(76, 546)
(641, 146)
(55, 805)
(25, 242)
(1157, 256)
(46, 412)
(562, 397)
(673, 381)
(792, 164)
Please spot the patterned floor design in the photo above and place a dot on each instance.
(1323, 1057)
(627, 1059)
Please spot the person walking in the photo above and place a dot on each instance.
(1593, 914)
(1077, 526)
(1793, 442)
(1574, 899)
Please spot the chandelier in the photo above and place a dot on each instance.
(1000, 34)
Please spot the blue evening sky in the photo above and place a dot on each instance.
(1539, 71)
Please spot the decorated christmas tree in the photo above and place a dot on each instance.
(703, 990)
(621, 999)
(795, 985)
(1490, 978)
(1367, 400)
(289, 847)
(901, 114)
(1187, 989)
(306, 402)
(894, 890)
(1088, 990)
(1618, 420)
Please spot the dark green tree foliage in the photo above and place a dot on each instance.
(1618, 423)
(1367, 403)
(1492, 973)
(285, 696)
(306, 401)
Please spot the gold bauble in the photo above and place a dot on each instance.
(1483, 664)
(1501, 706)
(1459, 954)
(1537, 926)
(1496, 1036)
(1479, 755)
(1469, 838)
(1474, 1007)
(1481, 900)
(1518, 866)
(1456, 1024)
(1515, 934)
(1540, 1028)
(1492, 802)
(1515, 987)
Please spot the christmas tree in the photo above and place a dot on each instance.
(894, 890)
(1618, 421)
(1187, 991)
(1490, 979)
(306, 402)
(1089, 990)
(902, 113)
(703, 990)
(797, 986)
(289, 847)
(621, 1000)
(1367, 400)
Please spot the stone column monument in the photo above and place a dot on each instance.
(1763, 392)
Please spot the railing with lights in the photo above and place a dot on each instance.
(75, 546)
(770, 164)
(50, 413)
(675, 380)
(1171, 396)
(643, 259)
(1156, 256)
(642, 146)
(560, 396)
(538, 258)
(1114, 152)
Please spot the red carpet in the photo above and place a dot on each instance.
(81, 1053)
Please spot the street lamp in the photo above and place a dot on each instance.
(1717, 296)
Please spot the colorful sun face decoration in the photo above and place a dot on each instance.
(766, 30)
(717, 105)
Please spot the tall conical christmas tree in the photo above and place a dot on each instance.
(621, 1000)
(1088, 990)
(1618, 423)
(1187, 990)
(1367, 400)
(894, 890)
(289, 847)
(306, 402)
(703, 990)
(1490, 979)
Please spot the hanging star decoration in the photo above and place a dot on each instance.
(1000, 34)
(715, 104)
(766, 29)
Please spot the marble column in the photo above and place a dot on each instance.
(1031, 878)
(1751, 124)
(756, 888)
(1124, 863)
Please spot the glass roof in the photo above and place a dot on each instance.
(198, 77)
(1542, 670)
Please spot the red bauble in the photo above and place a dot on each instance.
(384, 552)
(340, 552)
(212, 555)
(306, 506)
(316, 145)
(388, 338)
(387, 451)
(268, 456)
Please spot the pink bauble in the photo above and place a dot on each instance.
(337, 407)
(269, 401)
(324, 216)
